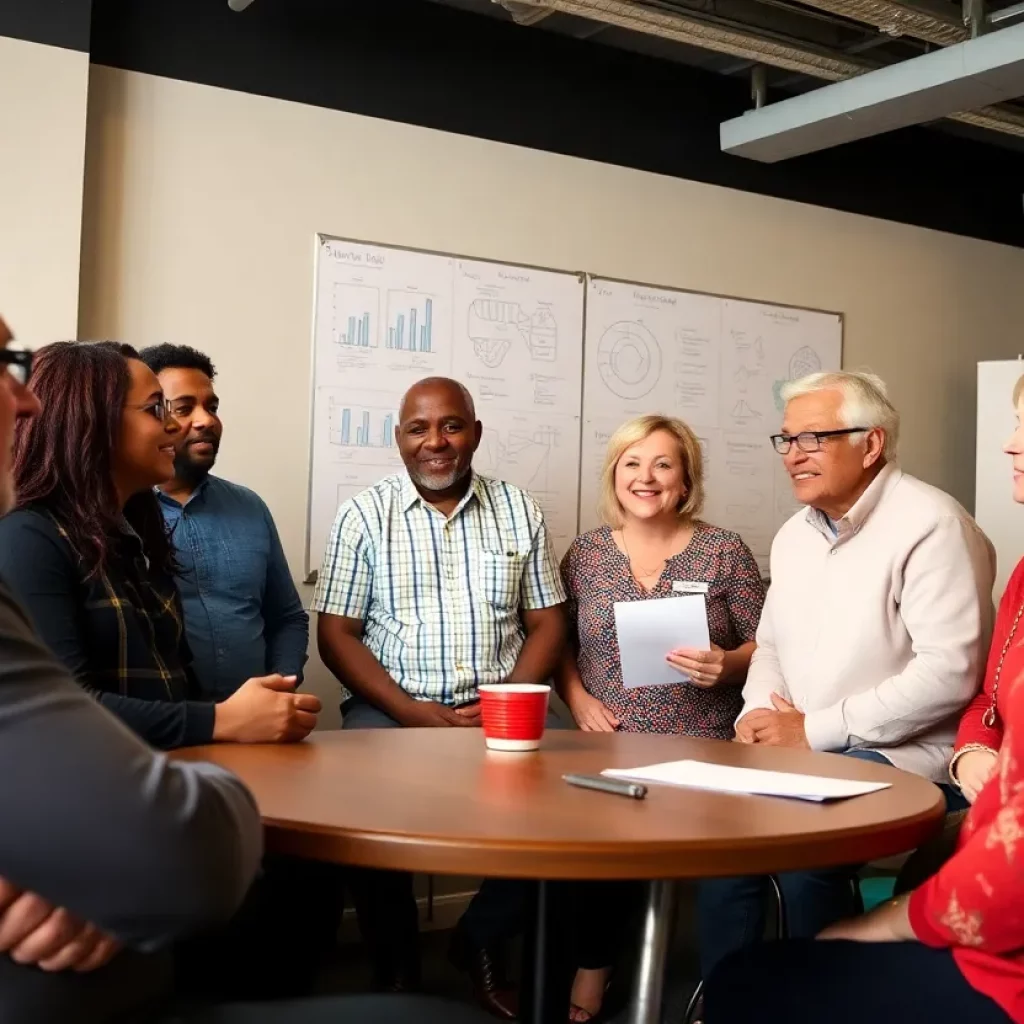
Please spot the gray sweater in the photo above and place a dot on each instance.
(95, 821)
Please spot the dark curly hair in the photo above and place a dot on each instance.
(63, 457)
(177, 357)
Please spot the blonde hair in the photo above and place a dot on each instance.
(1018, 389)
(865, 403)
(638, 430)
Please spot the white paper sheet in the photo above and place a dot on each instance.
(648, 630)
(728, 779)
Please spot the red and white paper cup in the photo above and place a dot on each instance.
(513, 715)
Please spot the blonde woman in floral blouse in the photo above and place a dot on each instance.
(652, 497)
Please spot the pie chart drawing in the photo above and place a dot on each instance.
(629, 359)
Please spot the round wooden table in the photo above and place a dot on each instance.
(437, 801)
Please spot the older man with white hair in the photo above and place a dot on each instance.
(874, 633)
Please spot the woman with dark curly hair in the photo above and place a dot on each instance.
(87, 553)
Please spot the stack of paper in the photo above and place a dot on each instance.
(727, 779)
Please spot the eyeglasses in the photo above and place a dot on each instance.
(809, 441)
(160, 410)
(18, 363)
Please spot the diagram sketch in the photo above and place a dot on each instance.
(494, 325)
(520, 456)
(803, 362)
(629, 359)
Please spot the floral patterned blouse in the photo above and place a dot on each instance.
(597, 574)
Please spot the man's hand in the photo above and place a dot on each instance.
(266, 709)
(783, 727)
(590, 714)
(889, 922)
(430, 714)
(470, 711)
(705, 668)
(973, 770)
(35, 933)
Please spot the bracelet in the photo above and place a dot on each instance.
(970, 748)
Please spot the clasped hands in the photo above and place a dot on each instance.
(33, 932)
(781, 727)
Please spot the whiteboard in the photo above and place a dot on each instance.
(997, 513)
(385, 317)
(717, 363)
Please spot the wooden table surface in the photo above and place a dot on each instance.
(437, 801)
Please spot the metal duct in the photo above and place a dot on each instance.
(739, 42)
(970, 75)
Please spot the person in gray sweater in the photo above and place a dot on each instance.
(110, 851)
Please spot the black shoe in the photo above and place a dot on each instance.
(485, 968)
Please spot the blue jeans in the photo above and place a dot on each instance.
(731, 912)
(805, 982)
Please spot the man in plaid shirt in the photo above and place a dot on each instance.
(435, 581)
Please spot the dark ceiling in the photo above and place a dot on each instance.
(786, 20)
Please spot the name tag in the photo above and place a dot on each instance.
(689, 587)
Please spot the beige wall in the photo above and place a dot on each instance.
(201, 206)
(42, 149)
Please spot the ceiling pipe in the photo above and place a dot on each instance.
(742, 43)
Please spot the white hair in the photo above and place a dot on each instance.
(865, 403)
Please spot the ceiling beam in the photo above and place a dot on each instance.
(973, 74)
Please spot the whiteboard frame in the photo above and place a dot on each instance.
(319, 237)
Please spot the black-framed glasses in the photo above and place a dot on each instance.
(18, 362)
(809, 441)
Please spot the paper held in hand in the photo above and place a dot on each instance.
(648, 630)
(728, 779)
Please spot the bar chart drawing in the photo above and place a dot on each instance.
(359, 426)
(410, 321)
(356, 315)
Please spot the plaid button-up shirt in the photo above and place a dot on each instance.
(441, 599)
(120, 631)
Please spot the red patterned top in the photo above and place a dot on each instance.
(597, 574)
(975, 904)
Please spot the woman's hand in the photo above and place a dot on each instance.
(590, 714)
(889, 922)
(973, 770)
(705, 668)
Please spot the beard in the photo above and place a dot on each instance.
(439, 481)
(194, 471)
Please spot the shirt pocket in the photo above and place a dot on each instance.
(500, 576)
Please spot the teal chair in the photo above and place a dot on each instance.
(875, 890)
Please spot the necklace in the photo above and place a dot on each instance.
(636, 566)
(989, 718)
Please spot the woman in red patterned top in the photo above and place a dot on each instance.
(653, 545)
(953, 948)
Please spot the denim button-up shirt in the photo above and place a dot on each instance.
(243, 616)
